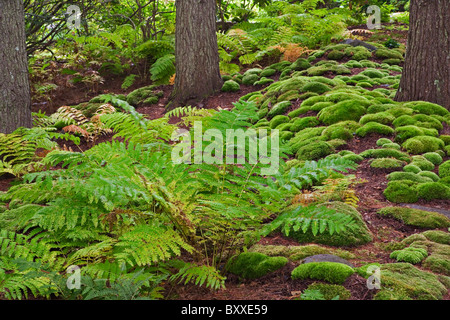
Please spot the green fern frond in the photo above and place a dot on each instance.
(199, 275)
(163, 69)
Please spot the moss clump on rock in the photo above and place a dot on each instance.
(444, 169)
(380, 117)
(277, 120)
(385, 153)
(231, 86)
(332, 272)
(345, 110)
(250, 79)
(402, 281)
(401, 191)
(316, 87)
(433, 190)
(416, 217)
(386, 163)
(314, 150)
(302, 123)
(279, 109)
(423, 144)
(433, 157)
(144, 95)
(253, 265)
(330, 291)
(374, 127)
(398, 175)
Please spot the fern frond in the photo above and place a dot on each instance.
(199, 275)
(163, 69)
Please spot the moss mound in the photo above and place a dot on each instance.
(253, 265)
(344, 110)
(231, 86)
(416, 217)
(332, 272)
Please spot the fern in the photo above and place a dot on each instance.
(163, 69)
(128, 81)
(199, 275)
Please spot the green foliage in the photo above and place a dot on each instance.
(332, 272)
(416, 217)
(163, 69)
(410, 254)
(444, 169)
(253, 265)
(324, 291)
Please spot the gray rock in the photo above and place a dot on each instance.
(355, 43)
(326, 258)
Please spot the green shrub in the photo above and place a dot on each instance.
(345, 110)
(374, 127)
(416, 217)
(401, 191)
(410, 255)
(279, 109)
(422, 144)
(231, 86)
(433, 190)
(332, 272)
(386, 163)
(444, 169)
(253, 265)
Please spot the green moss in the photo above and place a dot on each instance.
(445, 138)
(416, 217)
(401, 191)
(410, 255)
(411, 168)
(384, 53)
(230, 86)
(392, 61)
(279, 109)
(380, 117)
(332, 272)
(422, 144)
(380, 142)
(373, 73)
(302, 123)
(385, 153)
(386, 163)
(288, 96)
(316, 87)
(256, 71)
(358, 236)
(263, 81)
(331, 291)
(337, 132)
(427, 108)
(404, 281)
(300, 64)
(267, 72)
(297, 253)
(392, 145)
(433, 190)
(250, 79)
(430, 175)
(297, 112)
(253, 265)
(335, 55)
(314, 151)
(444, 169)
(433, 157)
(374, 127)
(277, 120)
(353, 157)
(345, 110)
(279, 66)
(399, 175)
(138, 96)
(320, 105)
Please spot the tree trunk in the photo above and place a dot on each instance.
(15, 100)
(196, 52)
(426, 75)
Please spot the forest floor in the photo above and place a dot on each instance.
(279, 285)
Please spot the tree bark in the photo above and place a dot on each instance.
(426, 75)
(15, 100)
(196, 52)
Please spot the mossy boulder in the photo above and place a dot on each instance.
(329, 291)
(411, 255)
(416, 217)
(302, 123)
(332, 272)
(231, 86)
(300, 64)
(444, 169)
(386, 163)
(374, 127)
(423, 144)
(279, 109)
(403, 281)
(267, 72)
(253, 265)
(335, 55)
(316, 87)
(380, 117)
(314, 150)
(250, 79)
(385, 153)
(401, 191)
(345, 110)
(433, 190)
(147, 95)
(277, 120)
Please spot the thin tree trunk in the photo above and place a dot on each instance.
(426, 75)
(196, 52)
(15, 100)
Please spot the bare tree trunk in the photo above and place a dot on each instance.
(15, 100)
(196, 52)
(426, 75)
